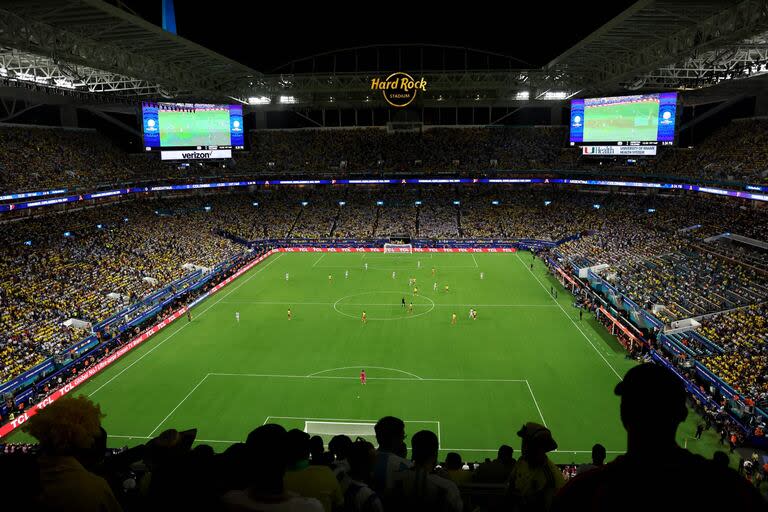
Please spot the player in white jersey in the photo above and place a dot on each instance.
(434, 287)
(286, 276)
(418, 264)
(237, 316)
(366, 266)
(393, 275)
(346, 274)
(482, 275)
(471, 313)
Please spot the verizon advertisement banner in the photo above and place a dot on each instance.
(196, 154)
(618, 150)
(381, 249)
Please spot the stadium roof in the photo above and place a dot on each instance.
(672, 44)
(102, 50)
(92, 46)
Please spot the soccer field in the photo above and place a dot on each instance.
(638, 121)
(526, 358)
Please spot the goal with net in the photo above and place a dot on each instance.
(398, 248)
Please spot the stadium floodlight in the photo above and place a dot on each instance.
(67, 233)
(379, 203)
(207, 208)
(304, 203)
(288, 100)
(418, 203)
(342, 203)
(523, 96)
(255, 203)
(596, 206)
(547, 203)
(28, 242)
(3, 71)
(651, 210)
(98, 226)
(456, 203)
(554, 95)
(125, 219)
(495, 203)
(259, 100)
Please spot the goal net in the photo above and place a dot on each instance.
(328, 429)
(398, 248)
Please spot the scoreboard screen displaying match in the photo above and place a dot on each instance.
(638, 120)
(188, 130)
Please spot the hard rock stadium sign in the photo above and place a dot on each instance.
(399, 89)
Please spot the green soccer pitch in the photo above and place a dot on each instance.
(637, 121)
(527, 357)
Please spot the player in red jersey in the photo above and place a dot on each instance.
(362, 377)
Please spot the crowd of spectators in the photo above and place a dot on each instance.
(38, 158)
(279, 470)
(652, 245)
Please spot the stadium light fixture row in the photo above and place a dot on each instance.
(418, 203)
(547, 203)
(255, 203)
(259, 100)
(495, 203)
(379, 203)
(456, 203)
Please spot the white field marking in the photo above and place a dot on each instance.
(402, 268)
(318, 260)
(341, 420)
(475, 260)
(183, 326)
(536, 402)
(438, 435)
(494, 450)
(424, 379)
(365, 366)
(179, 404)
(406, 317)
(569, 318)
(268, 303)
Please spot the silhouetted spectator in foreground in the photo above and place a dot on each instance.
(358, 496)
(598, 459)
(267, 447)
(339, 447)
(390, 456)
(307, 480)
(422, 489)
(67, 430)
(721, 459)
(534, 479)
(318, 455)
(496, 471)
(454, 466)
(652, 407)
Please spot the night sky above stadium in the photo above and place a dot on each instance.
(265, 35)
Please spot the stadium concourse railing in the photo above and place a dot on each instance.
(668, 346)
(753, 193)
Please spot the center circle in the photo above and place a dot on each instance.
(381, 305)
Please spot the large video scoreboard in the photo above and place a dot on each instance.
(192, 131)
(624, 125)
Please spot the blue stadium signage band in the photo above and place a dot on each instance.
(424, 181)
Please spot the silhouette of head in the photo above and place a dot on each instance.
(652, 403)
(598, 454)
(424, 447)
(267, 443)
(316, 447)
(297, 446)
(362, 457)
(505, 453)
(390, 432)
(339, 446)
(453, 461)
(537, 441)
